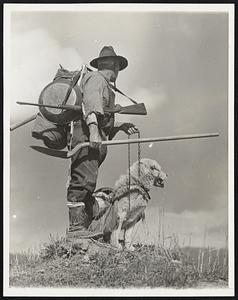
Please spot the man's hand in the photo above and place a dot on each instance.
(95, 137)
(129, 128)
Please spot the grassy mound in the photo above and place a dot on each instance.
(95, 264)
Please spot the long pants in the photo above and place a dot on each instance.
(84, 168)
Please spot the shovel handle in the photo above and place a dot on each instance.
(19, 124)
(143, 140)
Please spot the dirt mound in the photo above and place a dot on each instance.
(90, 263)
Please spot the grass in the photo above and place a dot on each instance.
(95, 264)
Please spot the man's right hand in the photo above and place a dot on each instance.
(95, 137)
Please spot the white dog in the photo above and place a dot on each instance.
(129, 204)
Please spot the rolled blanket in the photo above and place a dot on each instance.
(53, 135)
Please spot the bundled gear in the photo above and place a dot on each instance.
(51, 124)
(62, 90)
(53, 135)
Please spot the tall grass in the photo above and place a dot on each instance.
(165, 262)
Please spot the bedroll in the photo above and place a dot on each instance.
(51, 124)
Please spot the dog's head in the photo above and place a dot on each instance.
(151, 173)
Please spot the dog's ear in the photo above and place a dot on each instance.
(155, 165)
(134, 168)
(143, 165)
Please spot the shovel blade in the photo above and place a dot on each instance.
(51, 152)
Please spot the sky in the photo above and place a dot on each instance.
(178, 66)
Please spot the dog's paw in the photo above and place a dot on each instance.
(129, 247)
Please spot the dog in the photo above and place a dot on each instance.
(128, 204)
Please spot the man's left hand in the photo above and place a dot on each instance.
(129, 128)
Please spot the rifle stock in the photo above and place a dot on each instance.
(135, 109)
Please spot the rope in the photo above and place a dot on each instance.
(70, 148)
(71, 134)
(129, 164)
(129, 171)
(139, 154)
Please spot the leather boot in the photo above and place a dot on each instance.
(79, 222)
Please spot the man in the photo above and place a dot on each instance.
(95, 127)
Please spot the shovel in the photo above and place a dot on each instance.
(78, 147)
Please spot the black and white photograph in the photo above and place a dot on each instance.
(118, 149)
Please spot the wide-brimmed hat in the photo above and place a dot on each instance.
(108, 52)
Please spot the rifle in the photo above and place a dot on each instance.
(135, 109)
(68, 154)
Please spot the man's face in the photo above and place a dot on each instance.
(113, 65)
(116, 68)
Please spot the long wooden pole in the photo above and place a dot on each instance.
(19, 124)
(68, 154)
(145, 140)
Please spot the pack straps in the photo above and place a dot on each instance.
(115, 88)
(75, 79)
(120, 92)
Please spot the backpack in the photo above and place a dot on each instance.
(51, 124)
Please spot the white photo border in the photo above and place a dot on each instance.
(136, 7)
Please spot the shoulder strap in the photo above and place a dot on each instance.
(115, 88)
(119, 91)
(78, 77)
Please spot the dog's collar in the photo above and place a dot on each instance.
(148, 195)
(119, 193)
(142, 190)
(145, 189)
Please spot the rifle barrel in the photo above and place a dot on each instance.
(68, 107)
(137, 109)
